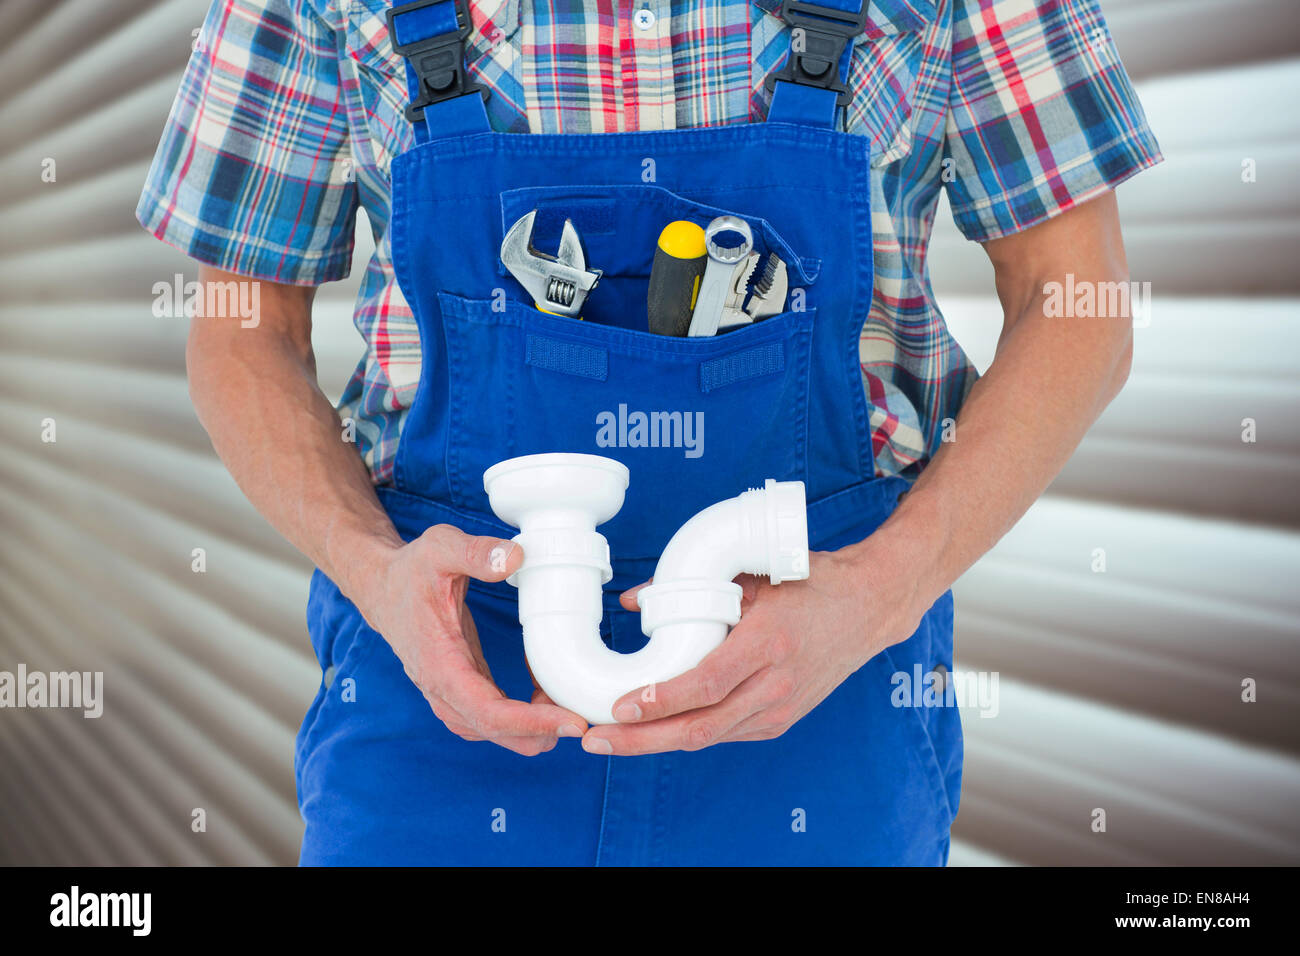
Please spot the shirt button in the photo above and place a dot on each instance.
(644, 19)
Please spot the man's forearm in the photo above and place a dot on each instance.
(1051, 378)
(256, 395)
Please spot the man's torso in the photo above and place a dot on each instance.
(578, 66)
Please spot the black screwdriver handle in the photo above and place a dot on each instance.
(680, 258)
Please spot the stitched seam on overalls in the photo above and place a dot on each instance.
(804, 357)
(604, 810)
(361, 657)
(719, 191)
(397, 232)
(681, 141)
(663, 781)
(930, 758)
(524, 317)
(857, 391)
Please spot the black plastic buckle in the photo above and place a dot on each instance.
(439, 62)
(823, 33)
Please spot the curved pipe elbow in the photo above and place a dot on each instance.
(687, 610)
(763, 531)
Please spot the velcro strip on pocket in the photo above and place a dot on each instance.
(570, 358)
(741, 366)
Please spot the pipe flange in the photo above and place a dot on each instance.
(677, 602)
(787, 530)
(567, 547)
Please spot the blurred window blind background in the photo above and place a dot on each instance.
(1119, 690)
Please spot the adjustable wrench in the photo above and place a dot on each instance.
(770, 290)
(559, 284)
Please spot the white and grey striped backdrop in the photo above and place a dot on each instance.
(1119, 690)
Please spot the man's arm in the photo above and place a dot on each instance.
(1049, 381)
(256, 394)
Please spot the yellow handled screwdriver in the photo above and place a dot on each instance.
(675, 277)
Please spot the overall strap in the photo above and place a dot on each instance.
(813, 83)
(431, 34)
(444, 101)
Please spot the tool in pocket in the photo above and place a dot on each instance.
(728, 269)
(559, 284)
(770, 290)
(726, 285)
(681, 256)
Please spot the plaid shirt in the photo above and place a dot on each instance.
(290, 113)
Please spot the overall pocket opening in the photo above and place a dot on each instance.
(619, 227)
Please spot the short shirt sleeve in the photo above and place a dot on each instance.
(253, 172)
(1042, 114)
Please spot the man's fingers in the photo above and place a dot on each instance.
(464, 695)
(478, 725)
(450, 719)
(566, 730)
(541, 697)
(692, 730)
(628, 597)
(504, 717)
(706, 684)
(768, 723)
(527, 746)
(480, 557)
(482, 707)
(750, 586)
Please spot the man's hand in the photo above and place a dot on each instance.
(416, 600)
(795, 643)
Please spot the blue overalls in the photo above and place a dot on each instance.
(858, 780)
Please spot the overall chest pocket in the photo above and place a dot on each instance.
(694, 419)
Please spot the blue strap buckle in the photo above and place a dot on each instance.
(438, 60)
(819, 37)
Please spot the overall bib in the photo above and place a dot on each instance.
(858, 780)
